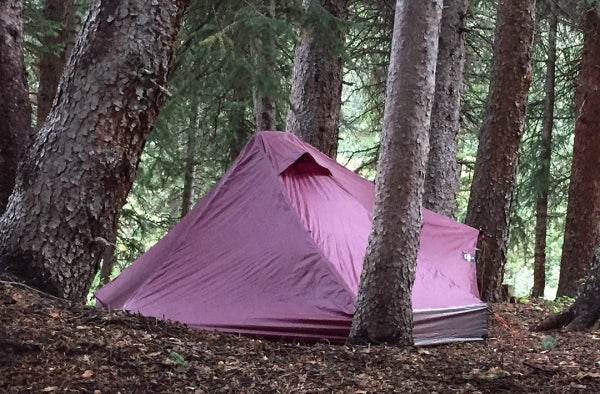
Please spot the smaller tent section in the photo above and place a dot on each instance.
(276, 248)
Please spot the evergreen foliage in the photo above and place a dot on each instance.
(520, 270)
(37, 26)
(220, 60)
(211, 84)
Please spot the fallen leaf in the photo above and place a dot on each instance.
(582, 375)
(49, 389)
(494, 373)
(87, 374)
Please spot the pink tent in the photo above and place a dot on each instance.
(275, 249)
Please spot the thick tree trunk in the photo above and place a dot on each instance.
(265, 110)
(585, 311)
(53, 62)
(316, 95)
(441, 180)
(384, 308)
(79, 170)
(497, 154)
(15, 109)
(583, 210)
(541, 208)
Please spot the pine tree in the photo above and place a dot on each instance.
(581, 228)
(78, 172)
(539, 279)
(54, 57)
(495, 169)
(15, 122)
(384, 308)
(441, 180)
(316, 92)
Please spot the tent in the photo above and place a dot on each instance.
(276, 248)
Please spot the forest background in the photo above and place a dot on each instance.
(219, 69)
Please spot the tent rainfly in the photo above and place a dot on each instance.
(276, 248)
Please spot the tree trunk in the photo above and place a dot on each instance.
(441, 181)
(189, 177)
(497, 154)
(541, 208)
(15, 109)
(108, 257)
(78, 172)
(265, 110)
(52, 62)
(384, 308)
(238, 125)
(583, 209)
(316, 95)
(585, 311)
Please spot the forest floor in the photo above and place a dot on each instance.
(48, 345)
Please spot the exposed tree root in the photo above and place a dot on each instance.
(556, 321)
(583, 314)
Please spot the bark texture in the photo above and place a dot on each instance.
(241, 129)
(265, 110)
(53, 61)
(583, 209)
(497, 154)
(15, 109)
(585, 311)
(316, 95)
(78, 172)
(541, 207)
(189, 176)
(441, 180)
(108, 258)
(384, 308)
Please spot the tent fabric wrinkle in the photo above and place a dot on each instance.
(276, 249)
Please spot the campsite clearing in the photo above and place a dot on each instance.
(48, 346)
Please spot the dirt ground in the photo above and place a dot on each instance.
(48, 345)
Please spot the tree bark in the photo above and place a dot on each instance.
(78, 172)
(441, 181)
(52, 63)
(541, 209)
(497, 154)
(265, 110)
(240, 128)
(189, 177)
(108, 257)
(15, 109)
(384, 308)
(585, 311)
(316, 94)
(583, 209)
